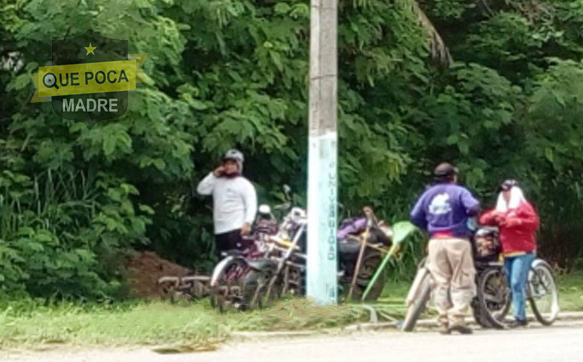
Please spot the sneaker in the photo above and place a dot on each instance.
(444, 329)
(461, 329)
(517, 324)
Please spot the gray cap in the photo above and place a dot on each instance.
(236, 156)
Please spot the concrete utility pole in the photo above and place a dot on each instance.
(322, 261)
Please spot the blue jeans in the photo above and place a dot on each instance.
(517, 268)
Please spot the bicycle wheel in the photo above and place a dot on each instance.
(274, 286)
(227, 289)
(420, 298)
(493, 296)
(478, 315)
(542, 293)
(293, 282)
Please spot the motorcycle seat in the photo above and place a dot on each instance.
(260, 264)
(349, 248)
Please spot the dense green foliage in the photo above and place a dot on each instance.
(233, 73)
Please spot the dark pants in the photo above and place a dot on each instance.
(228, 241)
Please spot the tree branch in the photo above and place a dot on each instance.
(439, 50)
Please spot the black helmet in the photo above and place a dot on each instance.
(508, 184)
(444, 172)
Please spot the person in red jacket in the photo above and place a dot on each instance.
(518, 223)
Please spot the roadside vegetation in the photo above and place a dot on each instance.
(194, 326)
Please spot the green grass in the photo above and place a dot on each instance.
(158, 323)
(571, 291)
(195, 325)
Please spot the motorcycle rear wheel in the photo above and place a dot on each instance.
(367, 270)
(478, 316)
(493, 296)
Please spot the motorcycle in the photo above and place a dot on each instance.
(485, 250)
(362, 244)
(245, 283)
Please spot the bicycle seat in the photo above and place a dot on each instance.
(260, 264)
(233, 252)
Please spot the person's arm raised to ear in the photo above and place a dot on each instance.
(207, 185)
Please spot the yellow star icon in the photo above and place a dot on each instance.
(90, 49)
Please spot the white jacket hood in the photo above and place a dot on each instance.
(516, 198)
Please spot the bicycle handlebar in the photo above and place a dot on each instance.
(283, 206)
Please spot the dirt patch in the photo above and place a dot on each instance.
(143, 271)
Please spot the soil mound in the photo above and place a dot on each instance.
(143, 271)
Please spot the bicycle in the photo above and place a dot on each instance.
(360, 254)
(494, 296)
(492, 302)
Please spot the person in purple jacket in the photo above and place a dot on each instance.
(443, 211)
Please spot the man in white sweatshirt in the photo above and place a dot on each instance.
(234, 202)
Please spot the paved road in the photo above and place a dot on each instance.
(560, 343)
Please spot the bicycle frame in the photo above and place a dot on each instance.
(229, 258)
(292, 248)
